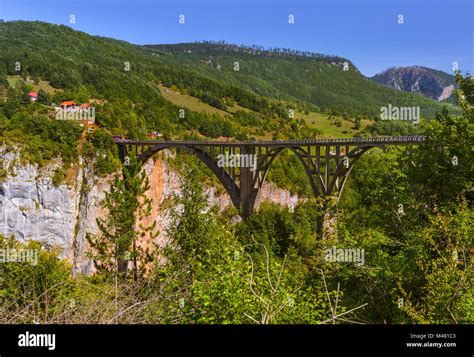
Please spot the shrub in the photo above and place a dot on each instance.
(33, 292)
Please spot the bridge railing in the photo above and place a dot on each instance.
(326, 141)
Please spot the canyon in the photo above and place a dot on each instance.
(32, 208)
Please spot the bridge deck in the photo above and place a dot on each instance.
(390, 140)
(326, 169)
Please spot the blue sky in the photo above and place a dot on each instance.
(435, 33)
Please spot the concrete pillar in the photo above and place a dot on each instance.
(247, 191)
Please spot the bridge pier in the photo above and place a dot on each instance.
(248, 191)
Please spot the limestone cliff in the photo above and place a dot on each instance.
(32, 208)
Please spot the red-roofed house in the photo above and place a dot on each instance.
(68, 104)
(154, 134)
(85, 105)
(33, 96)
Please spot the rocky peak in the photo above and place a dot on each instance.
(429, 82)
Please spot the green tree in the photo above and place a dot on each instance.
(357, 123)
(411, 209)
(126, 204)
(43, 97)
(443, 166)
(33, 291)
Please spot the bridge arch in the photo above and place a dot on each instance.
(314, 175)
(356, 153)
(327, 162)
(224, 177)
(266, 164)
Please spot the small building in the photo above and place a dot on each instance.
(154, 134)
(68, 104)
(87, 112)
(33, 96)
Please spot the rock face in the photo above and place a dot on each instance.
(32, 208)
(429, 82)
(90, 192)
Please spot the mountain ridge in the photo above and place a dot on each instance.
(127, 77)
(431, 83)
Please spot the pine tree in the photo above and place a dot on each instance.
(192, 228)
(125, 203)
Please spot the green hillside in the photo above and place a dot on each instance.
(304, 77)
(127, 77)
(225, 91)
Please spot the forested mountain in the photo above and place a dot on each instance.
(251, 91)
(127, 75)
(291, 75)
(429, 82)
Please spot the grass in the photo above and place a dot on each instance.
(189, 102)
(315, 120)
(268, 136)
(237, 107)
(195, 104)
(44, 85)
(329, 127)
